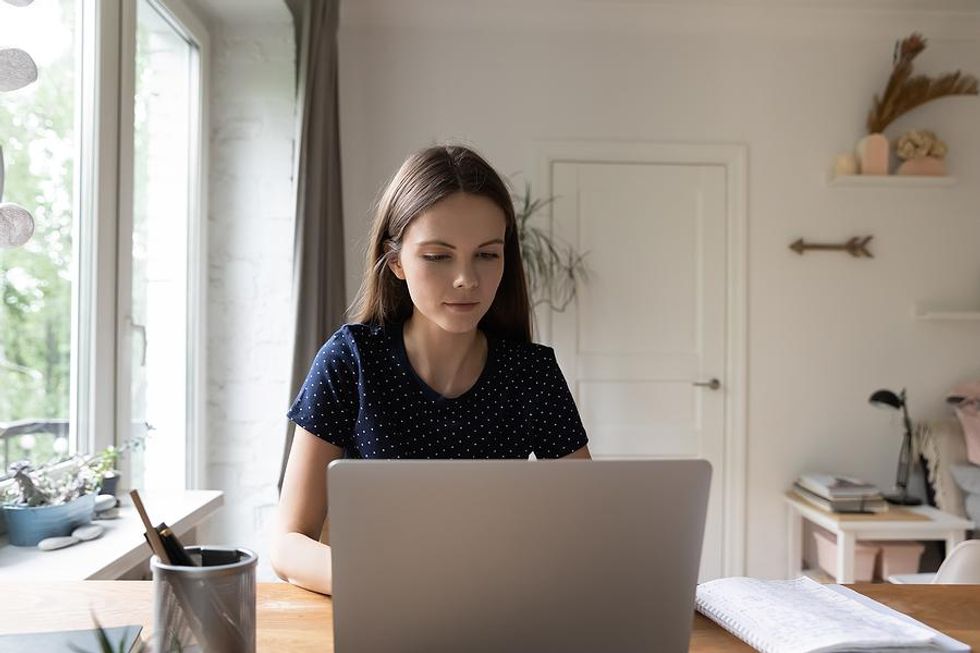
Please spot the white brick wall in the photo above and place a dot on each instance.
(250, 275)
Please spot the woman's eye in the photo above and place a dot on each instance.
(489, 255)
(435, 257)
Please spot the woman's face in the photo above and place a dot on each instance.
(452, 260)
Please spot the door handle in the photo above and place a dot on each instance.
(713, 384)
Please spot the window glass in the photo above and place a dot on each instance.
(40, 149)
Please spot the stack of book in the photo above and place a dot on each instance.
(839, 493)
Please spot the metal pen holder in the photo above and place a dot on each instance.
(210, 607)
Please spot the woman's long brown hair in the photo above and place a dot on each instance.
(427, 177)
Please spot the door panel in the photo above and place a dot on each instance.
(650, 321)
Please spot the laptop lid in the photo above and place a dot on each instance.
(546, 555)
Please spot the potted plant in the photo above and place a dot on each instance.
(41, 504)
(104, 464)
(554, 269)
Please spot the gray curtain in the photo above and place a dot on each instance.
(319, 298)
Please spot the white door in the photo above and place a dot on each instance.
(649, 325)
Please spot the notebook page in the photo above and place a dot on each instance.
(943, 642)
(802, 616)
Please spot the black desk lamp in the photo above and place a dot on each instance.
(888, 399)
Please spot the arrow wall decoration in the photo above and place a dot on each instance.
(856, 247)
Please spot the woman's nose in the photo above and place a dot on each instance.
(466, 277)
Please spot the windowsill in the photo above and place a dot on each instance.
(120, 548)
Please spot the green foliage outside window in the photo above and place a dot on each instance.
(38, 139)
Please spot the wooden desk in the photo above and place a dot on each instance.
(292, 619)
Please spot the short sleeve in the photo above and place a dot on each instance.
(328, 403)
(555, 426)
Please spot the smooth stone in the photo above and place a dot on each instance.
(111, 513)
(52, 543)
(17, 69)
(104, 502)
(16, 225)
(88, 532)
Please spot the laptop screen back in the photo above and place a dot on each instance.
(561, 555)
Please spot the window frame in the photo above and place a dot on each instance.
(101, 349)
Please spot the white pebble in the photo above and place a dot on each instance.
(52, 543)
(88, 532)
(104, 502)
(111, 513)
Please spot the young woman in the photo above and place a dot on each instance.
(437, 361)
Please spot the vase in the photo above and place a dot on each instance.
(872, 151)
(926, 166)
(27, 526)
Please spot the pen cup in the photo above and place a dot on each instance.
(210, 607)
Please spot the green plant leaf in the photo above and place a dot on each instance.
(554, 269)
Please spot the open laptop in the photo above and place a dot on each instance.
(538, 556)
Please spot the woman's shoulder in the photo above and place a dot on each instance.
(526, 355)
(360, 330)
(358, 335)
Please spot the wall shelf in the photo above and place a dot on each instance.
(890, 181)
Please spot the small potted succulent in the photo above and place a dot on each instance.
(104, 466)
(40, 505)
(105, 462)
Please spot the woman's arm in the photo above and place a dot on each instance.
(297, 555)
(582, 454)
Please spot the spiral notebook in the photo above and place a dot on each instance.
(803, 616)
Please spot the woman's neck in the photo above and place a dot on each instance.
(448, 362)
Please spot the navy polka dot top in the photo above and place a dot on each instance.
(362, 395)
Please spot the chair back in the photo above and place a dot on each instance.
(961, 566)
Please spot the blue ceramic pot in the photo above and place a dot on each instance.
(28, 526)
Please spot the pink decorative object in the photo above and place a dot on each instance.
(872, 151)
(926, 166)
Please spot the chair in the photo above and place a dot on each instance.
(961, 566)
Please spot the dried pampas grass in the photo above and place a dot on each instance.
(905, 92)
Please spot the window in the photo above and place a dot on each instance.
(41, 151)
(101, 312)
(165, 206)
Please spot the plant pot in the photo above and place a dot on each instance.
(28, 526)
(109, 483)
(926, 166)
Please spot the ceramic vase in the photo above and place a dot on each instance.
(872, 151)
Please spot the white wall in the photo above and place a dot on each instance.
(793, 81)
(250, 267)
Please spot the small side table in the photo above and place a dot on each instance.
(904, 523)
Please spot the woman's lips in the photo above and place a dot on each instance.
(462, 306)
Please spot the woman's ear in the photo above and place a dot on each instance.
(394, 262)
